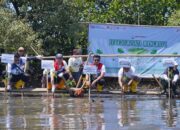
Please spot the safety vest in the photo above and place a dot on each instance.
(57, 68)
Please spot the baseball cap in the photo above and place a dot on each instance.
(21, 49)
(59, 56)
(124, 63)
(175, 63)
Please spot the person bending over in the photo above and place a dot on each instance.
(60, 72)
(127, 79)
(170, 76)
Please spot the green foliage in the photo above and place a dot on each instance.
(175, 19)
(70, 83)
(56, 21)
(147, 12)
(61, 24)
(15, 33)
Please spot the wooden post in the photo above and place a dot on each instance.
(160, 85)
(169, 86)
(80, 78)
(89, 88)
(6, 80)
(47, 83)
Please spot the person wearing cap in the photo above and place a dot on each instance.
(170, 75)
(127, 78)
(60, 71)
(21, 51)
(75, 64)
(23, 58)
(175, 65)
(17, 72)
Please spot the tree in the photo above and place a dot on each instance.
(60, 23)
(174, 20)
(55, 20)
(15, 33)
(144, 12)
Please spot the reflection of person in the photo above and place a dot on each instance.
(54, 118)
(170, 113)
(127, 79)
(170, 75)
(128, 107)
(75, 64)
(17, 72)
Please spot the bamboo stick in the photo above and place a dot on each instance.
(119, 55)
(122, 55)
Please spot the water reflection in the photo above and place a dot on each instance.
(46, 113)
(127, 112)
(169, 112)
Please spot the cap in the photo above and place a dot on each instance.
(124, 63)
(21, 49)
(169, 62)
(175, 63)
(59, 55)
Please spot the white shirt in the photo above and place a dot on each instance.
(19, 69)
(74, 63)
(9, 65)
(103, 69)
(128, 74)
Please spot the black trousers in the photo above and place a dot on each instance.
(172, 85)
(15, 78)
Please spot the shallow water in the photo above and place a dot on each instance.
(115, 113)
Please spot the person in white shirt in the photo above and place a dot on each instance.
(17, 72)
(127, 78)
(101, 70)
(75, 64)
(97, 80)
(170, 75)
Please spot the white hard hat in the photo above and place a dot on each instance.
(175, 63)
(124, 63)
(169, 62)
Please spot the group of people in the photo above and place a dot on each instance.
(61, 72)
(72, 71)
(128, 80)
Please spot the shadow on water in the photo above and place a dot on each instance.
(125, 113)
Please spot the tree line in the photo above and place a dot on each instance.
(52, 26)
